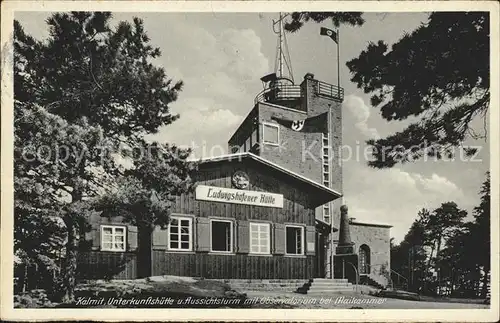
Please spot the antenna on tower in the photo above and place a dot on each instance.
(279, 86)
(283, 63)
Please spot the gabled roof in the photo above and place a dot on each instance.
(330, 193)
(370, 224)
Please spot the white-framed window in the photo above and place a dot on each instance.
(260, 238)
(271, 133)
(180, 233)
(326, 213)
(294, 240)
(221, 236)
(113, 238)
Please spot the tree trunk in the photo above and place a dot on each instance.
(428, 266)
(430, 257)
(25, 278)
(438, 267)
(144, 254)
(70, 262)
(452, 289)
(438, 246)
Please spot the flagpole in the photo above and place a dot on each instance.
(330, 204)
(338, 61)
(332, 245)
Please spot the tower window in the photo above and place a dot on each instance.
(326, 213)
(271, 133)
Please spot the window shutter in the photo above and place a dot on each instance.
(202, 234)
(160, 238)
(310, 240)
(243, 239)
(279, 239)
(95, 235)
(132, 237)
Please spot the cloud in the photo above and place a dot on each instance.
(395, 196)
(204, 125)
(220, 69)
(218, 85)
(438, 184)
(219, 72)
(235, 52)
(360, 113)
(243, 56)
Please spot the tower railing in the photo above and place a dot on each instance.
(330, 90)
(287, 92)
(279, 92)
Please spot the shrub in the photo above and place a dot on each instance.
(33, 299)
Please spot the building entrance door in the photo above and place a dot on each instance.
(320, 262)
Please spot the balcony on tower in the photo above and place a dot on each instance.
(278, 90)
(282, 91)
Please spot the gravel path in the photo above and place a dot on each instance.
(264, 299)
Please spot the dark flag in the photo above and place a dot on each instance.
(330, 33)
(317, 123)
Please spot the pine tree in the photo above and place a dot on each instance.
(97, 84)
(337, 18)
(438, 74)
(480, 232)
(408, 257)
(466, 257)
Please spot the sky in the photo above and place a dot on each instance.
(221, 57)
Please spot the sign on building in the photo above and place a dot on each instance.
(229, 195)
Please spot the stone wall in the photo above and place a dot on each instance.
(377, 238)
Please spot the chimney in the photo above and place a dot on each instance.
(309, 76)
